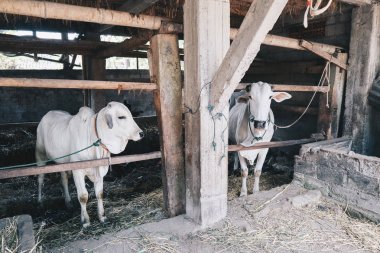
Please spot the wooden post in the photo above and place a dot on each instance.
(166, 71)
(206, 31)
(95, 70)
(364, 65)
(329, 116)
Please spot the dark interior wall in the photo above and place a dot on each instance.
(286, 66)
(29, 104)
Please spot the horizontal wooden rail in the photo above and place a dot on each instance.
(275, 144)
(74, 84)
(29, 171)
(287, 87)
(49, 10)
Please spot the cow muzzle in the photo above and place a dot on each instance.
(259, 125)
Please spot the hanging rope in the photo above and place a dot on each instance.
(314, 10)
(325, 77)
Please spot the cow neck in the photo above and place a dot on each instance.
(97, 135)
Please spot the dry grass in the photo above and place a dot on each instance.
(122, 214)
(322, 228)
(143, 242)
(9, 237)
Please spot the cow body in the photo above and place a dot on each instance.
(60, 133)
(252, 121)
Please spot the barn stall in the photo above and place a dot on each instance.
(193, 165)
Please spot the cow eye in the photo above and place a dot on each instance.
(122, 117)
(270, 97)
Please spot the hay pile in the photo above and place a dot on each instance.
(321, 228)
(8, 236)
(121, 215)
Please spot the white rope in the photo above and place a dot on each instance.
(314, 10)
(325, 76)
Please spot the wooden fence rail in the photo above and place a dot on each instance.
(29, 171)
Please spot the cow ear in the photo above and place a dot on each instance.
(242, 99)
(280, 96)
(109, 121)
(248, 88)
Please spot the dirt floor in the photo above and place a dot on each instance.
(133, 196)
(283, 219)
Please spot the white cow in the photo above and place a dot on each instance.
(60, 133)
(251, 121)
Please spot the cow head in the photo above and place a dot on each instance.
(116, 127)
(259, 97)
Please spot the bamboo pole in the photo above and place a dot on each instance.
(50, 10)
(74, 84)
(288, 87)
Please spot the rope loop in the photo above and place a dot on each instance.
(325, 77)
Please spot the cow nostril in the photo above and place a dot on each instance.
(259, 124)
(141, 134)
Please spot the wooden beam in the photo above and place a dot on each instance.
(50, 10)
(330, 104)
(206, 27)
(275, 144)
(289, 87)
(357, 2)
(294, 109)
(280, 41)
(74, 84)
(36, 170)
(259, 20)
(131, 6)
(24, 44)
(126, 46)
(29, 171)
(310, 46)
(166, 71)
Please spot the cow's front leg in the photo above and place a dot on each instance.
(244, 175)
(80, 184)
(98, 185)
(259, 165)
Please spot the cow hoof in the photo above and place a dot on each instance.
(86, 225)
(103, 219)
(255, 190)
(242, 194)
